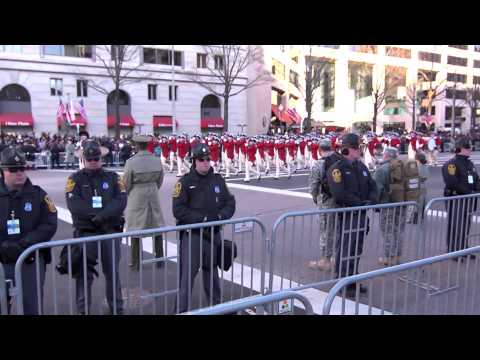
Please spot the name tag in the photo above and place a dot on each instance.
(365, 173)
(470, 179)
(13, 227)
(96, 202)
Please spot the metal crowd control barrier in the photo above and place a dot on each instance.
(3, 292)
(460, 295)
(254, 301)
(448, 221)
(337, 233)
(151, 290)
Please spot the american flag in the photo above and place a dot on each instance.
(294, 115)
(70, 111)
(81, 109)
(60, 111)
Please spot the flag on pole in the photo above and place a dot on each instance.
(70, 112)
(81, 109)
(60, 112)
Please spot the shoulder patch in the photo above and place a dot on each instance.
(337, 175)
(50, 204)
(451, 169)
(70, 185)
(177, 190)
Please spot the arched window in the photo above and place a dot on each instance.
(210, 107)
(14, 92)
(123, 99)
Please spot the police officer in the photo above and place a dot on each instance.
(97, 198)
(200, 196)
(461, 178)
(323, 199)
(28, 216)
(143, 176)
(351, 185)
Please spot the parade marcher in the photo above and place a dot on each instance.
(28, 217)
(292, 148)
(351, 185)
(461, 178)
(200, 196)
(323, 199)
(172, 144)
(392, 221)
(281, 159)
(214, 148)
(270, 157)
(251, 165)
(432, 150)
(96, 199)
(165, 152)
(182, 151)
(313, 152)
(143, 177)
(230, 157)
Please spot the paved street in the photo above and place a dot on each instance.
(266, 199)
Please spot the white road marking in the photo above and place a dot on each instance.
(269, 190)
(301, 188)
(243, 278)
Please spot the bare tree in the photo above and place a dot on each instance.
(227, 64)
(314, 70)
(117, 61)
(473, 102)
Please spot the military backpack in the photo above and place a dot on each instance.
(404, 181)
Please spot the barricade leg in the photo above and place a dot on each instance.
(110, 264)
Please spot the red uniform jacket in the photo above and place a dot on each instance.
(395, 142)
(281, 151)
(172, 143)
(182, 147)
(251, 151)
(292, 148)
(214, 151)
(270, 148)
(237, 144)
(314, 149)
(261, 149)
(243, 146)
(165, 149)
(229, 147)
(302, 147)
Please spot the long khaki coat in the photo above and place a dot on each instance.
(143, 176)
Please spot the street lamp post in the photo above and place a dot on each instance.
(280, 110)
(174, 99)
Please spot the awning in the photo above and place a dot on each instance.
(16, 119)
(211, 123)
(282, 116)
(163, 121)
(125, 121)
(78, 120)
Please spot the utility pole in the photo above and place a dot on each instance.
(174, 93)
(414, 104)
(453, 107)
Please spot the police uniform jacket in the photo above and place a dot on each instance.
(456, 174)
(143, 176)
(37, 215)
(198, 198)
(351, 184)
(83, 185)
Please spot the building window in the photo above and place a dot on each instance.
(459, 94)
(162, 56)
(461, 47)
(170, 92)
(476, 80)
(453, 60)
(294, 78)
(273, 69)
(424, 110)
(330, 46)
(218, 62)
(83, 51)
(282, 48)
(395, 77)
(82, 86)
(476, 63)
(201, 61)
(56, 87)
(152, 92)
(426, 76)
(360, 79)
(461, 78)
(114, 49)
(398, 52)
(279, 69)
(328, 87)
(369, 49)
(11, 48)
(430, 57)
(476, 47)
(448, 112)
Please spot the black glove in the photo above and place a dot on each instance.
(315, 200)
(10, 252)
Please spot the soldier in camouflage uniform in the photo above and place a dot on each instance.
(392, 220)
(323, 199)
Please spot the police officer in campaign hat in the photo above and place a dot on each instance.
(28, 217)
(351, 185)
(143, 177)
(96, 198)
(200, 196)
(461, 178)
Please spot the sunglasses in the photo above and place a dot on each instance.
(93, 159)
(204, 159)
(14, 170)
